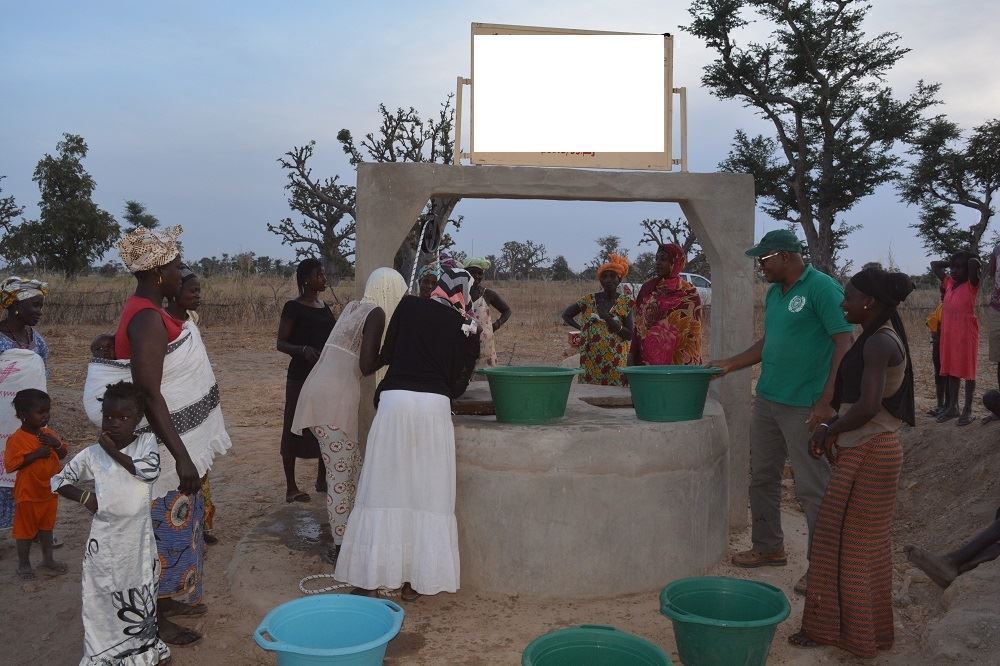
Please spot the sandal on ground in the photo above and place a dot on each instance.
(297, 496)
(175, 634)
(211, 539)
(178, 609)
(965, 420)
(800, 640)
(26, 574)
(54, 569)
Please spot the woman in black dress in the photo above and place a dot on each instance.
(306, 323)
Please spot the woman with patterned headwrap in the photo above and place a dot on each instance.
(328, 403)
(402, 531)
(668, 315)
(427, 278)
(23, 360)
(606, 328)
(483, 300)
(167, 360)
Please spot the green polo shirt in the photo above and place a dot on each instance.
(798, 329)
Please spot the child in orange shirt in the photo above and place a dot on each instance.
(34, 452)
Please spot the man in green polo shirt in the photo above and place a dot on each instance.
(805, 337)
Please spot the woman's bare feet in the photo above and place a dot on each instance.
(800, 640)
(407, 593)
(939, 569)
(53, 568)
(362, 592)
(174, 634)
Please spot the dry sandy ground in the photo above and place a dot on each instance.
(948, 491)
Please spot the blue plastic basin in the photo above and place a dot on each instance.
(340, 629)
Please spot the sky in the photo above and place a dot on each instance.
(186, 106)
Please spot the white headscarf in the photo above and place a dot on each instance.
(15, 289)
(385, 288)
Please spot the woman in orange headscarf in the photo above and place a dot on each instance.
(668, 328)
(606, 328)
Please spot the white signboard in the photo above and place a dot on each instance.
(550, 97)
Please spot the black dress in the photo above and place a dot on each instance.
(310, 327)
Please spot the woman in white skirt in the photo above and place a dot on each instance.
(328, 403)
(402, 532)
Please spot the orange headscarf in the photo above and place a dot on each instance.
(616, 263)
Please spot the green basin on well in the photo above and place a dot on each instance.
(669, 392)
(529, 394)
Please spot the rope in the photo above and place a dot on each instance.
(383, 592)
(331, 588)
(416, 258)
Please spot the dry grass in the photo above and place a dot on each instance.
(536, 332)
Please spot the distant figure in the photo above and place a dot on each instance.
(482, 300)
(849, 584)
(427, 278)
(944, 569)
(992, 314)
(34, 452)
(805, 337)
(120, 564)
(668, 314)
(940, 383)
(959, 332)
(305, 325)
(22, 345)
(607, 326)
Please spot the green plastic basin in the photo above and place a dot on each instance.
(529, 394)
(592, 645)
(721, 621)
(669, 392)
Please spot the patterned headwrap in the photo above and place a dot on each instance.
(144, 249)
(454, 290)
(433, 268)
(482, 263)
(15, 289)
(677, 259)
(616, 263)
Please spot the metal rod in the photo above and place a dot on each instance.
(457, 156)
(684, 129)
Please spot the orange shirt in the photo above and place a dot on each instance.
(31, 483)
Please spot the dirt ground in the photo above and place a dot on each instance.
(949, 490)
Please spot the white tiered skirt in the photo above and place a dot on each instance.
(403, 526)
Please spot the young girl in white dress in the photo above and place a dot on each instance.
(120, 564)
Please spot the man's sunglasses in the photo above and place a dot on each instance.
(762, 260)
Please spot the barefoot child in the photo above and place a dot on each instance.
(34, 452)
(120, 565)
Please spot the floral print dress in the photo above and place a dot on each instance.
(603, 352)
(121, 567)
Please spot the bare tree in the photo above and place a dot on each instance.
(946, 176)
(405, 136)
(819, 80)
(327, 208)
(522, 260)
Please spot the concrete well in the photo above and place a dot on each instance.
(599, 504)
(719, 207)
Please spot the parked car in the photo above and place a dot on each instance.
(702, 284)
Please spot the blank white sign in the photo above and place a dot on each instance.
(568, 93)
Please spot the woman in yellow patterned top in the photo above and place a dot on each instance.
(606, 328)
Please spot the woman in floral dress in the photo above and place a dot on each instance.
(668, 325)
(606, 328)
